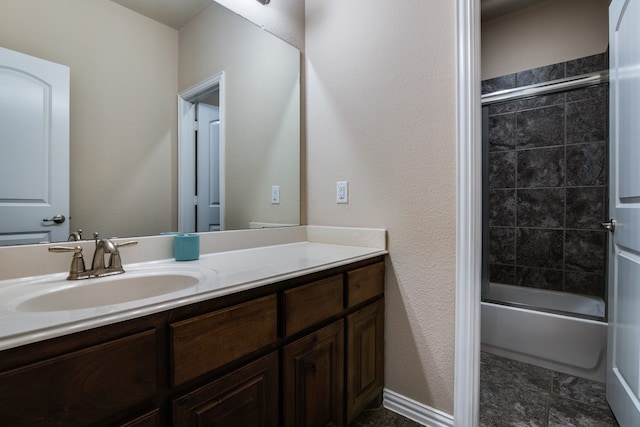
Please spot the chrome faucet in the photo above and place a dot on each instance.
(75, 236)
(97, 266)
(98, 269)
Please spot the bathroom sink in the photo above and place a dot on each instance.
(110, 290)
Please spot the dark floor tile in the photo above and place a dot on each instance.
(579, 389)
(511, 373)
(382, 417)
(502, 406)
(570, 413)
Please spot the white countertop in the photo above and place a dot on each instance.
(221, 273)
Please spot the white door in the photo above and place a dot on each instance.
(208, 210)
(34, 149)
(623, 365)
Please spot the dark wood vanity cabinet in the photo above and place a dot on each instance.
(303, 352)
(245, 397)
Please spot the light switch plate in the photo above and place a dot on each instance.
(342, 192)
(275, 194)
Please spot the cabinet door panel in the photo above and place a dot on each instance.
(365, 357)
(150, 419)
(313, 379)
(209, 341)
(246, 397)
(83, 387)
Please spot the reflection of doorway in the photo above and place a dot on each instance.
(208, 167)
(201, 186)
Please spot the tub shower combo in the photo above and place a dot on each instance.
(545, 192)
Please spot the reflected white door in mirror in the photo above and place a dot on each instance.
(201, 147)
(34, 142)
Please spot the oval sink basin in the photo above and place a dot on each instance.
(110, 290)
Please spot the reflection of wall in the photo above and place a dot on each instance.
(123, 108)
(262, 80)
(548, 182)
(546, 33)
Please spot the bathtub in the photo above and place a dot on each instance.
(563, 343)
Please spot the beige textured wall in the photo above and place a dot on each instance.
(547, 33)
(123, 107)
(262, 130)
(381, 114)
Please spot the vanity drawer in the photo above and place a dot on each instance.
(207, 342)
(312, 303)
(365, 283)
(83, 387)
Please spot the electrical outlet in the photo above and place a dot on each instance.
(342, 192)
(275, 194)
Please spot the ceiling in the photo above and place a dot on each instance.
(174, 13)
(494, 8)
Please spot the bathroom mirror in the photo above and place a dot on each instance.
(126, 73)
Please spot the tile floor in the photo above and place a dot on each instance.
(381, 417)
(518, 394)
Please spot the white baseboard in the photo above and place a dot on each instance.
(415, 411)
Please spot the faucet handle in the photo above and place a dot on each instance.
(115, 262)
(129, 243)
(77, 269)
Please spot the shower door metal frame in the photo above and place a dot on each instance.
(553, 86)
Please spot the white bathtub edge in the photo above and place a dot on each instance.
(579, 347)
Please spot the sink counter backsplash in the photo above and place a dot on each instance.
(32, 280)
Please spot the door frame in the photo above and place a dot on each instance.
(466, 395)
(187, 150)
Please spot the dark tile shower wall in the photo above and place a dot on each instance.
(548, 182)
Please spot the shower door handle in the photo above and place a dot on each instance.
(610, 225)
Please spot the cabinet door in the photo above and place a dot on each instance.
(246, 397)
(313, 378)
(81, 388)
(149, 419)
(365, 357)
